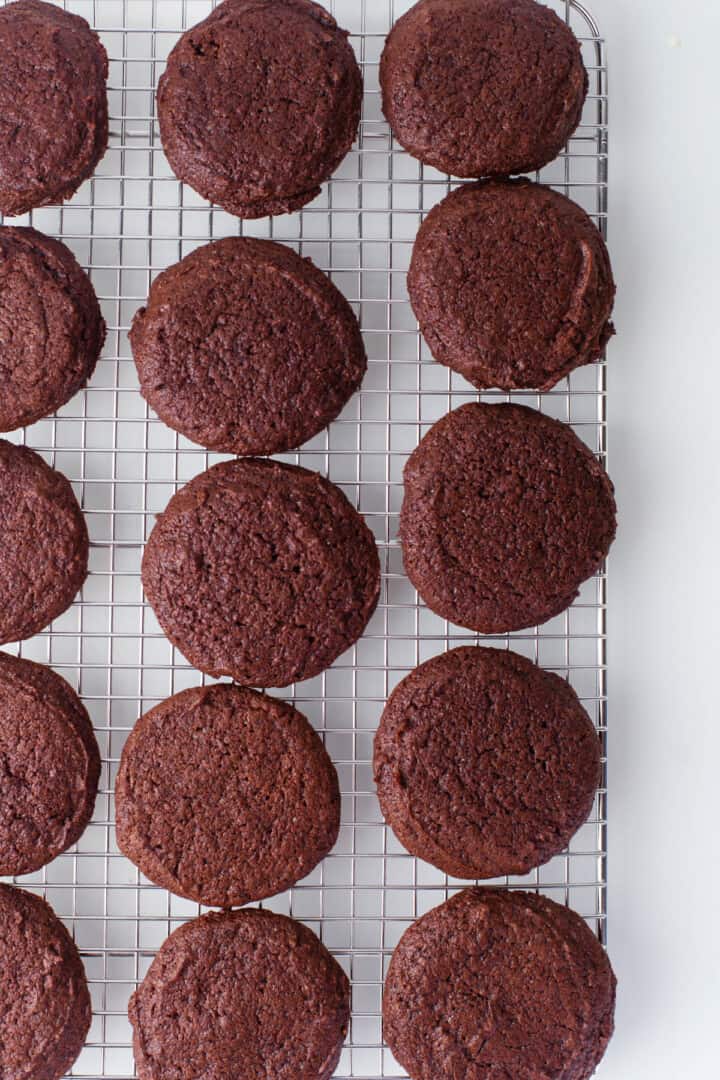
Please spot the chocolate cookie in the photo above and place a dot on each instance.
(485, 764)
(506, 512)
(501, 984)
(482, 87)
(262, 571)
(511, 284)
(43, 543)
(241, 994)
(51, 328)
(49, 764)
(225, 796)
(246, 348)
(259, 104)
(53, 105)
(44, 999)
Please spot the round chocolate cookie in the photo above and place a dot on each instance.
(262, 571)
(44, 999)
(241, 994)
(501, 984)
(482, 87)
(246, 348)
(485, 764)
(511, 284)
(53, 104)
(51, 328)
(506, 512)
(259, 104)
(225, 796)
(49, 763)
(43, 543)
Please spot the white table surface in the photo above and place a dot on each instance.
(665, 585)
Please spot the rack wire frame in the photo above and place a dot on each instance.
(127, 224)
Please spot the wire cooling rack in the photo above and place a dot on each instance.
(127, 224)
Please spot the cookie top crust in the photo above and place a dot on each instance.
(505, 514)
(262, 571)
(53, 104)
(482, 87)
(259, 104)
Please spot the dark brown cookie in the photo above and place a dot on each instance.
(246, 348)
(262, 571)
(49, 766)
(53, 104)
(51, 328)
(501, 984)
(259, 105)
(485, 764)
(482, 87)
(43, 543)
(44, 999)
(511, 284)
(506, 512)
(241, 994)
(225, 796)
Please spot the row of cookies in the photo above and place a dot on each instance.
(250, 993)
(246, 348)
(261, 101)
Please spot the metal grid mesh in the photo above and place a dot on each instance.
(127, 224)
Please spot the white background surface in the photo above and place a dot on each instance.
(664, 439)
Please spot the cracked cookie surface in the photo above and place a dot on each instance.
(51, 328)
(512, 285)
(261, 571)
(241, 994)
(44, 998)
(259, 104)
(226, 796)
(505, 514)
(43, 543)
(485, 764)
(503, 984)
(482, 87)
(247, 348)
(53, 105)
(49, 766)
